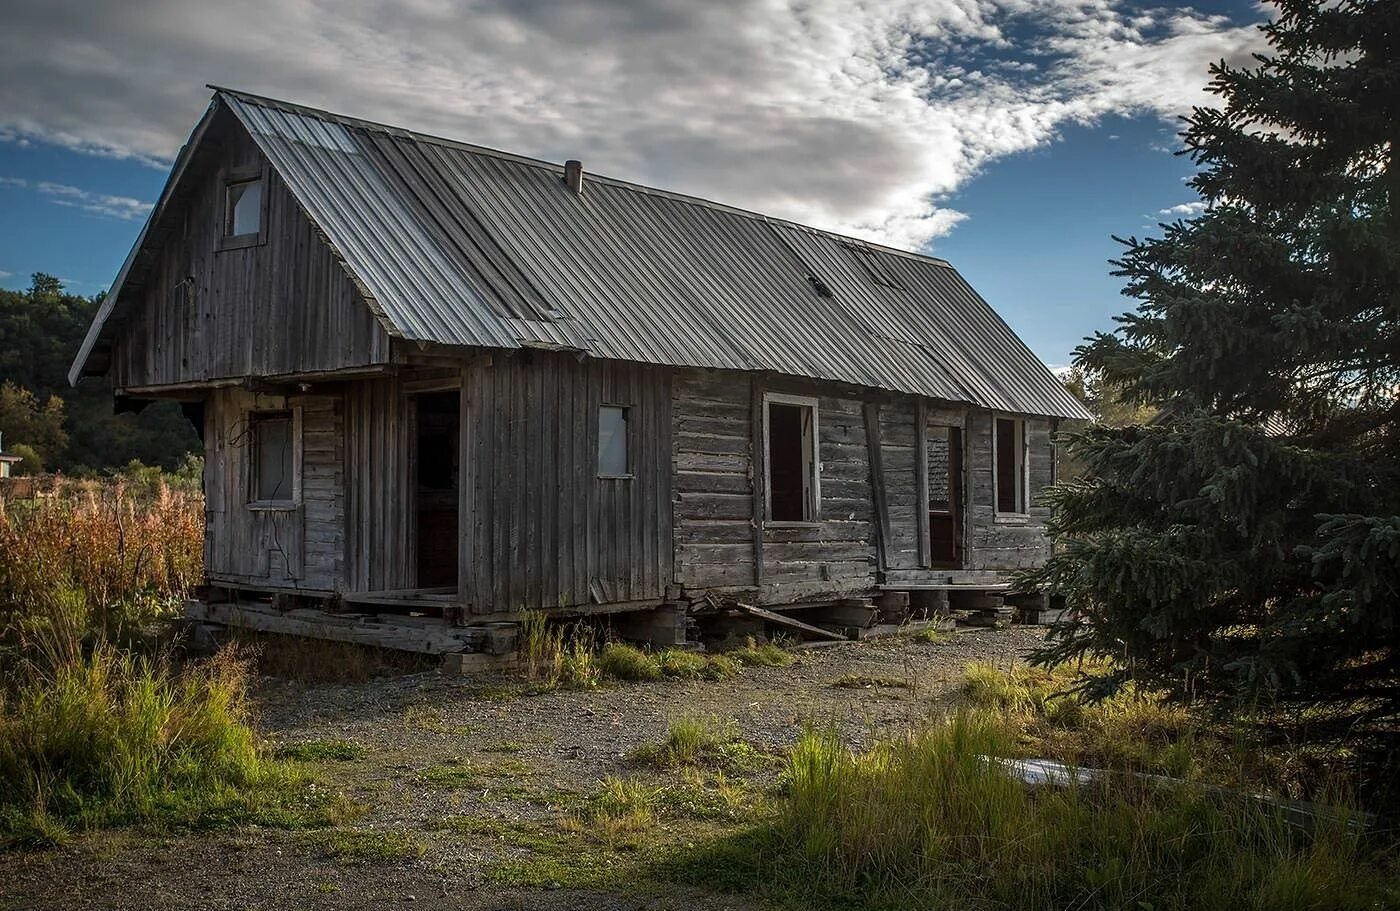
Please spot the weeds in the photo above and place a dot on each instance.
(866, 682)
(95, 558)
(616, 814)
(700, 742)
(928, 820)
(110, 738)
(627, 662)
(933, 636)
(550, 659)
(766, 654)
(368, 844)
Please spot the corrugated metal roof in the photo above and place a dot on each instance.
(463, 245)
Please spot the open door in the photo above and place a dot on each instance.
(945, 523)
(437, 457)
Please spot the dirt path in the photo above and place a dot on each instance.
(445, 760)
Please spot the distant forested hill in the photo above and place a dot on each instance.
(58, 428)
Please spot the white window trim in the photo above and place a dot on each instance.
(252, 462)
(815, 503)
(626, 442)
(1023, 470)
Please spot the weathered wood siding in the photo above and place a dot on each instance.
(379, 549)
(1007, 543)
(544, 529)
(716, 499)
(283, 306)
(299, 548)
(901, 458)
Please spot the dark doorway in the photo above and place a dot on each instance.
(945, 497)
(438, 451)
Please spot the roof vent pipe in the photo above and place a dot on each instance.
(573, 175)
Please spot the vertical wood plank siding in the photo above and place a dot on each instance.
(378, 491)
(293, 549)
(283, 306)
(546, 530)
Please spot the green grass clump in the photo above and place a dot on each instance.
(682, 665)
(552, 658)
(621, 661)
(108, 738)
(619, 812)
(321, 751)
(933, 636)
(368, 844)
(1133, 729)
(700, 742)
(766, 654)
(928, 820)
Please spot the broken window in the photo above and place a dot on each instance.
(792, 467)
(612, 442)
(1009, 445)
(273, 480)
(243, 208)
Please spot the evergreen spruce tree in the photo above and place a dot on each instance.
(1243, 546)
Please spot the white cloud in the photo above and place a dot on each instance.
(4, 274)
(123, 207)
(1184, 210)
(849, 114)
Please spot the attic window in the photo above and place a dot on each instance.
(243, 208)
(874, 265)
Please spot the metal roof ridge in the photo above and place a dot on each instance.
(530, 161)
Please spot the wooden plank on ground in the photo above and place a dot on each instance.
(782, 620)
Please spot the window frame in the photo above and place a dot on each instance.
(626, 442)
(814, 498)
(1022, 470)
(252, 418)
(229, 178)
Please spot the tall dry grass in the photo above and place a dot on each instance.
(929, 820)
(97, 556)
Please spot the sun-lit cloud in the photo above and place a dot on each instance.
(856, 116)
(1184, 210)
(110, 206)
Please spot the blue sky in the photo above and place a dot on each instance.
(1011, 137)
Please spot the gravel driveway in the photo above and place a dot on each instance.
(526, 754)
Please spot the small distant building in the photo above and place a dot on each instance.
(463, 384)
(6, 459)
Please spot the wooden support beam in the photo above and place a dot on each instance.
(428, 639)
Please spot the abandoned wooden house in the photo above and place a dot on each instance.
(439, 385)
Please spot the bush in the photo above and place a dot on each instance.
(110, 738)
(929, 820)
